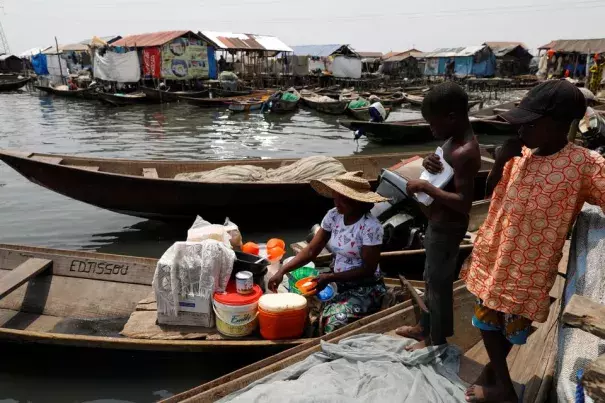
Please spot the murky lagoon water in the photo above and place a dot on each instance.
(32, 215)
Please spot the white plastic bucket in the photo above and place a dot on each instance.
(236, 320)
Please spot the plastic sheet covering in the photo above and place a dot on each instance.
(52, 63)
(303, 170)
(346, 67)
(119, 67)
(585, 276)
(39, 64)
(191, 269)
(364, 368)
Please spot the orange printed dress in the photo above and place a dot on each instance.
(517, 251)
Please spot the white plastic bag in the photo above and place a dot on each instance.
(202, 230)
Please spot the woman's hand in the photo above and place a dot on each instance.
(275, 281)
(509, 150)
(322, 281)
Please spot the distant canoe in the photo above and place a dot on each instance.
(364, 113)
(223, 101)
(148, 188)
(6, 85)
(414, 100)
(85, 93)
(222, 93)
(161, 96)
(246, 106)
(325, 104)
(284, 106)
(123, 99)
(393, 100)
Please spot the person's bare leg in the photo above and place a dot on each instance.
(503, 390)
(487, 376)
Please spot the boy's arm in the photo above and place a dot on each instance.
(466, 165)
(510, 149)
(596, 189)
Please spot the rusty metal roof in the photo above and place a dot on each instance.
(153, 39)
(233, 41)
(503, 45)
(370, 55)
(577, 45)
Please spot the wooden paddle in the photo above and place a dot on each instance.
(22, 274)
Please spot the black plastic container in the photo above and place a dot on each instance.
(246, 262)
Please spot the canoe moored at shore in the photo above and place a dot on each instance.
(364, 113)
(83, 93)
(325, 104)
(12, 85)
(86, 299)
(246, 106)
(148, 188)
(160, 96)
(123, 99)
(531, 365)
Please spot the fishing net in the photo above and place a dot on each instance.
(303, 170)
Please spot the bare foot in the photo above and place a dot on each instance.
(478, 393)
(417, 346)
(411, 332)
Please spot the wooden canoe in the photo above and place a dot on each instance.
(531, 365)
(393, 100)
(246, 106)
(279, 105)
(148, 188)
(123, 99)
(83, 93)
(85, 299)
(162, 96)
(364, 113)
(13, 85)
(323, 103)
(219, 92)
(222, 101)
(416, 100)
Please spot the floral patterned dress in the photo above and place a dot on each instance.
(356, 299)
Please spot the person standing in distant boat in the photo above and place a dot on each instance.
(446, 109)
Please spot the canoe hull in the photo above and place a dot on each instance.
(13, 85)
(245, 107)
(116, 100)
(364, 113)
(391, 133)
(331, 108)
(88, 93)
(282, 106)
(159, 96)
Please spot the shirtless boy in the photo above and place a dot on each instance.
(446, 110)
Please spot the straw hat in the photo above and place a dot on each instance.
(351, 185)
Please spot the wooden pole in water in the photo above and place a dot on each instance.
(59, 58)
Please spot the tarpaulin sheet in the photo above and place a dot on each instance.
(52, 63)
(365, 368)
(120, 67)
(151, 62)
(346, 67)
(39, 64)
(585, 277)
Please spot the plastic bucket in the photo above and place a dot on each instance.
(236, 321)
(282, 325)
(236, 314)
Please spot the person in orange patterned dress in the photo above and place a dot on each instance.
(538, 186)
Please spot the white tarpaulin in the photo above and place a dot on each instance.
(52, 63)
(120, 67)
(346, 67)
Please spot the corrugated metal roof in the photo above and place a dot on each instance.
(370, 55)
(577, 45)
(233, 41)
(454, 52)
(397, 57)
(504, 45)
(4, 57)
(318, 50)
(152, 39)
(107, 39)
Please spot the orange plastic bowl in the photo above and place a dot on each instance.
(306, 290)
(276, 242)
(250, 248)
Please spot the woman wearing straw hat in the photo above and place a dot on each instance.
(355, 238)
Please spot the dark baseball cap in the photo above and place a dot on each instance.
(558, 99)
